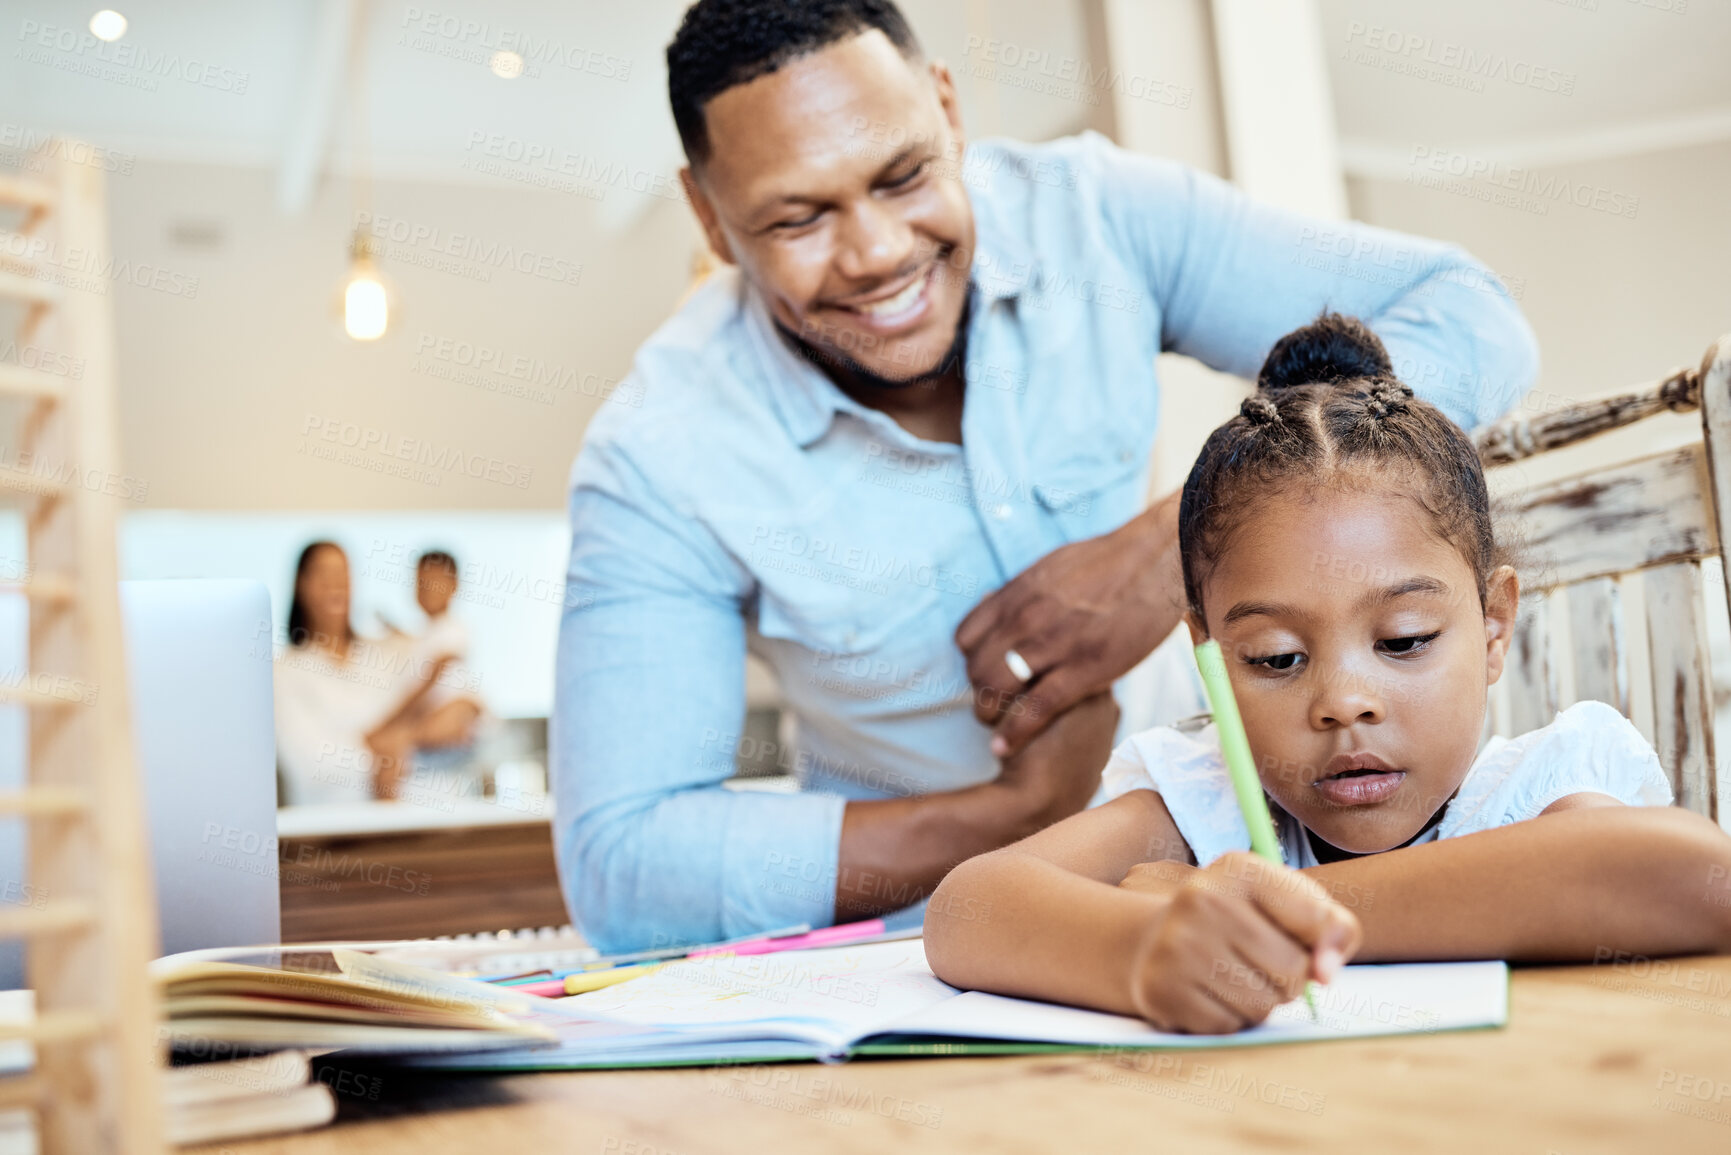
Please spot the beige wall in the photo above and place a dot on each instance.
(219, 392)
(1615, 300)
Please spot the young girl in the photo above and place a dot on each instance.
(1336, 541)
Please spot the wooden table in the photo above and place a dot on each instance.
(1622, 1057)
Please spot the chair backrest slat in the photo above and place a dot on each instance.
(1715, 390)
(1682, 695)
(1532, 691)
(1628, 517)
(1600, 659)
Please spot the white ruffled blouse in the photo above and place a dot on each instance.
(1588, 748)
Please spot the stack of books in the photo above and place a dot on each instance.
(240, 1098)
(245, 1028)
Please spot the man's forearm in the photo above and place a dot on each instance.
(1562, 886)
(696, 866)
(895, 851)
(1157, 528)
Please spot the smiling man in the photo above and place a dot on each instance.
(899, 450)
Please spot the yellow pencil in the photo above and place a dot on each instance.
(595, 980)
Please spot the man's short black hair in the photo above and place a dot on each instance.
(436, 557)
(724, 43)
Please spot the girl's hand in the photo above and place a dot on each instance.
(1234, 941)
(392, 747)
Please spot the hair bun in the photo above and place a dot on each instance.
(1259, 409)
(1331, 348)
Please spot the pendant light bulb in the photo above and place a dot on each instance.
(366, 303)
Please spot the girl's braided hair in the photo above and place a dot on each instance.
(1329, 410)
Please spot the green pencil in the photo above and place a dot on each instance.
(1235, 751)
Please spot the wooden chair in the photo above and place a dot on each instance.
(1591, 540)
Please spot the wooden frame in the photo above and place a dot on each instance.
(1657, 517)
(95, 1086)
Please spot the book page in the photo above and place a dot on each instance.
(1363, 1001)
(830, 997)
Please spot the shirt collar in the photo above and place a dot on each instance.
(808, 401)
(1004, 265)
(802, 394)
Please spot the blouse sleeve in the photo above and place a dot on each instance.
(1188, 774)
(1126, 771)
(1590, 748)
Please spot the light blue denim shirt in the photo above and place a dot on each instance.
(748, 503)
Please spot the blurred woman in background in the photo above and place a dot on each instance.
(351, 712)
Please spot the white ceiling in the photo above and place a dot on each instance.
(1613, 78)
(423, 102)
(426, 104)
(1631, 63)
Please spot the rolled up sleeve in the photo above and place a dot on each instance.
(650, 697)
(1231, 275)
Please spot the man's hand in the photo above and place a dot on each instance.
(1081, 617)
(1233, 942)
(1059, 771)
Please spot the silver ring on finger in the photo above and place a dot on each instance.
(1019, 667)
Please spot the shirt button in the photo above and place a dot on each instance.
(1002, 512)
(1125, 455)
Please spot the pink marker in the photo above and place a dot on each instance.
(826, 936)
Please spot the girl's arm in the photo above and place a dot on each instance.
(1587, 876)
(412, 700)
(1045, 919)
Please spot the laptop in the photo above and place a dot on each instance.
(199, 663)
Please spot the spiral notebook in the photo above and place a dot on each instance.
(882, 999)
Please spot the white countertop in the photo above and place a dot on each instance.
(393, 817)
(447, 813)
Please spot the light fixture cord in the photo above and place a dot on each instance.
(361, 174)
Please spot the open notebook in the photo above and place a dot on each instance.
(882, 999)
